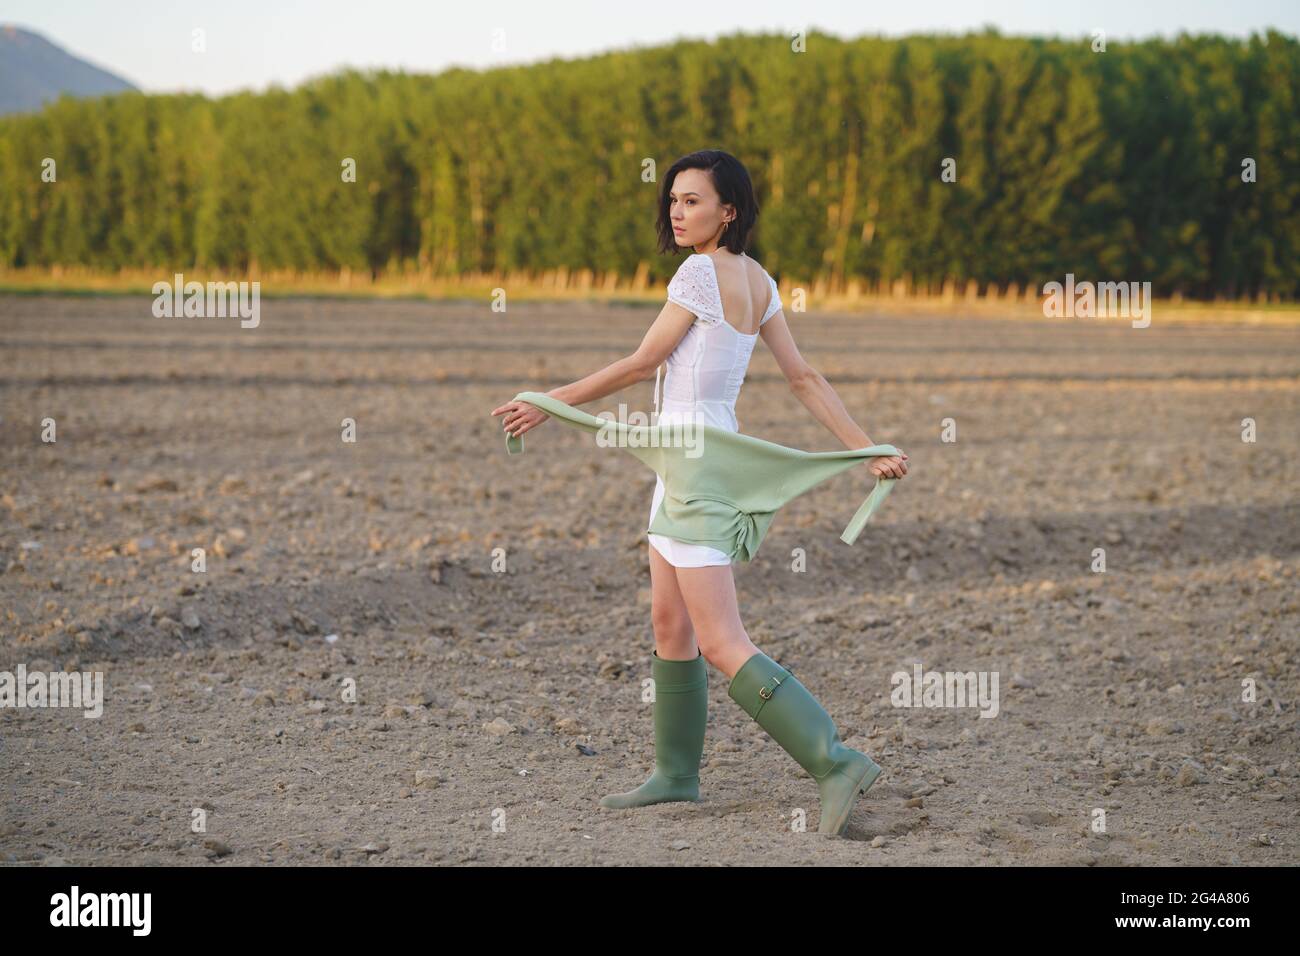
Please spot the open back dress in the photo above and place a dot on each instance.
(705, 373)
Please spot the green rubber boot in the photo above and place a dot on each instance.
(782, 706)
(681, 709)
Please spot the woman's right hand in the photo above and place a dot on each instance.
(890, 466)
(519, 417)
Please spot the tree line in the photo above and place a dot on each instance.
(977, 158)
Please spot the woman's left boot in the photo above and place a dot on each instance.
(782, 706)
(681, 709)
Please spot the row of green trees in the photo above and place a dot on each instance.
(1122, 164)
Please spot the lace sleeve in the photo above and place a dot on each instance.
(775, 305)
(695, 289)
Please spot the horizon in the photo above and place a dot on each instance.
(298, 43)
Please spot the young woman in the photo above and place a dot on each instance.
(720, 302)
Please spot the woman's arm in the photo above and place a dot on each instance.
(809, 386)
(606, 381)
(826, 406)
(659, 341)
(822, 400)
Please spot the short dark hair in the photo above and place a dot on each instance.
(731, 179)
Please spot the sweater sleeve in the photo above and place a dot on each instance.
(695, 289)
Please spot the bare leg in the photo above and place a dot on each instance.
(774, 698)
(710, 596)
(674, 632)
(681, 703)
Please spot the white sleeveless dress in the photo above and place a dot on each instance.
(705, 373)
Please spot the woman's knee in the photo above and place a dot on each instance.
(720, 643)
(673, 632)
(670, 621)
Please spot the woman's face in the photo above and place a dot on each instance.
(695, 210)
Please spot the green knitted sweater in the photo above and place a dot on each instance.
(721, 488)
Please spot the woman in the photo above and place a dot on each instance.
(720, 302)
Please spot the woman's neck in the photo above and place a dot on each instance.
(708, 252)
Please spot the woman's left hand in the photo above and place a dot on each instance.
(519, 417)
(890, 466)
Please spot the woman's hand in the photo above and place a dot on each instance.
(519, 417)
(890, 466)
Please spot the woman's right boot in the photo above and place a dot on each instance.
(681, 709)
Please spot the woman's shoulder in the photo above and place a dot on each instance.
(774, 303)
(694, 262)
(761, 267)
(695, 287)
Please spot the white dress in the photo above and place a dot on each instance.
(705, 373)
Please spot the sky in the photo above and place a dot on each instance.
(251, 45)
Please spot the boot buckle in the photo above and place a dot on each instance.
(772, 684)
